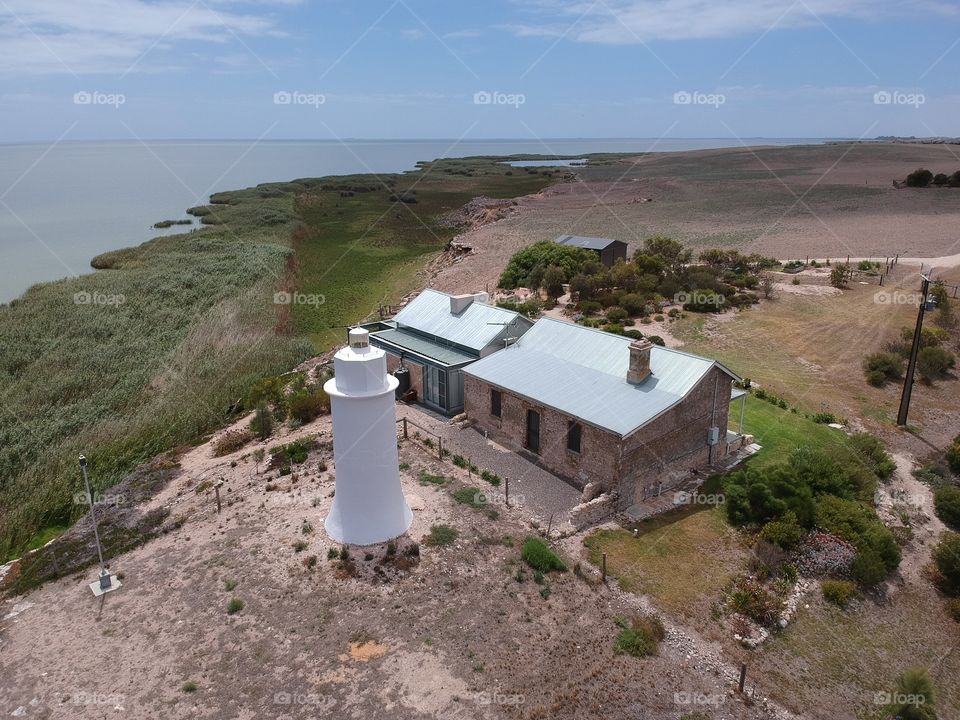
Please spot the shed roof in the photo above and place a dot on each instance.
(473, 328)
(582, 372)
(590, 243)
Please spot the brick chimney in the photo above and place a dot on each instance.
(639, 361)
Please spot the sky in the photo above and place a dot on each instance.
(416, 69)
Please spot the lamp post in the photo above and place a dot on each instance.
(105, 582)
(914, 351)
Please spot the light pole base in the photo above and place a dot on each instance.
(103, 584)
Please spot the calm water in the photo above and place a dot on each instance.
(61, 205)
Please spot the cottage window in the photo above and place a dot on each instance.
(573, 437)
(496, 400)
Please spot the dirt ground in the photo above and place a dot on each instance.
(818, 201)
(451, 634)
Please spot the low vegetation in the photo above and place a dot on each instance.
(639, 637)
(838, 592)
(441, 535)
(946, 501)
(538, 555)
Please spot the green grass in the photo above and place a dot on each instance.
(780, 432)
(122, 381)
(441, 535)
(234, 606)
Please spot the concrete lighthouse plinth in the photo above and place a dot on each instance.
(368, 506)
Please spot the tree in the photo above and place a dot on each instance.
(669, 251)
(553, 279)
(920, 177)
(625, 276)
(262, 423)
(941, 179)
(914, 696)
(535, 278)
(840, 275)
(580, 286)
(768, 287)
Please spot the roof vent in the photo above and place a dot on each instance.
(359, 338)
(639, 361)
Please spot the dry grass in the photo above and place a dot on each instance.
(682, 559)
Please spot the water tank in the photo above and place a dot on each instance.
(403, 381)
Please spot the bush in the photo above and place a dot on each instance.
(934, 363)
(920, 177)
(632, 303)
(234, 606)
(641, 637)
(946, 556)
(953, 608)
(872, 453)
(868, 568)
(882, 366)
(785, 532)
(838, 592)
(545, 253)
(307, 404)
(616, 315)
(952, 456)
(657, 340)
(858, 524)
(840, 275)
(441, 535)
(539, 556)
(946, 502)
(749, 597)
(704, 300)
(231, 441)
(589, 307)
(914, 696)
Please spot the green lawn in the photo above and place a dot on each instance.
(780, 432)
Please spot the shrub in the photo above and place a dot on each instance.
(657, 340)
(946, 502)
(300, 546)
(946, 556)
(189, 686)
(749, 597)
(840, 275)
(539, 556)
(545, 253)
(441, 535)
(785, 532)
(641, 637)
(882, 366)
(231, 441)
(872, 453)
(838, 592)
(632, 303)
(589, 307)
(920, 177)
(953, 608)
(934, 363)
(952, 455)
(704, 300)
(859, 525)
(234, 606)
(824, 418)
(914, 696)
(616, 314)
(308, 404)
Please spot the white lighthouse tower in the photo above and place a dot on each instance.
(368, 506)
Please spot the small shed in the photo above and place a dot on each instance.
(607, 250)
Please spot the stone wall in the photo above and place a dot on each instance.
(657, 457)
(599, 450)
(595, 511)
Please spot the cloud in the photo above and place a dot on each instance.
(108, 36)
(635, 21)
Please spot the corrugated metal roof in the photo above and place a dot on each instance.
(474, 328)
(583, 373)
(590, 243)
(420, 345)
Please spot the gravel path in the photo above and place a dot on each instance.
(539, 491)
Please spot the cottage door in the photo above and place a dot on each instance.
(533, 431)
